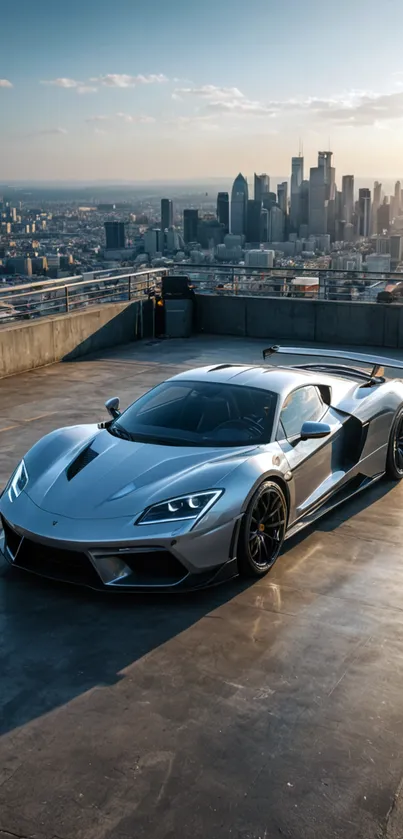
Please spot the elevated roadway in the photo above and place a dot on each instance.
(269, 710)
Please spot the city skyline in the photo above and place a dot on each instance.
(143, 94)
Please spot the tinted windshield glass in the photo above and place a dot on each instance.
(199, 414)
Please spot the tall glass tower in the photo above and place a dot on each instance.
(239, 203)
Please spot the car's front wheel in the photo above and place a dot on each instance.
(262, 531)
(394, 458)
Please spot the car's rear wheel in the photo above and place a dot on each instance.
(394, 458)
(262, 531)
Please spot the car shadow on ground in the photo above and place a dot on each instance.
(343, 512)
(60, 640)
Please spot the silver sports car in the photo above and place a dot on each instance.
(207, 474)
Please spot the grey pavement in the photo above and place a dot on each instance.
(248, 711)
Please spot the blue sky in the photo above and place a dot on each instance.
(151, 90)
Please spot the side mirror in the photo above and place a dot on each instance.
(112, 406)
(315, 430)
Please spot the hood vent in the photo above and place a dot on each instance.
(82, 460)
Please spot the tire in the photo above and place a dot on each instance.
(394, 457)
(262, 530)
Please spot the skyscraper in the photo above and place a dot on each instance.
(167, 213)
(304, 204)
(282, 196)
(297, 176)
(223, 209)
(347, 189)
(262, 186)
(239, 201)
(325, 163)
(364, 209)
(253, 221)
(264, 226)
(398, 189)
(115, 235)
(375, 206)
(276, 225)
(383, 218)
(190, 223)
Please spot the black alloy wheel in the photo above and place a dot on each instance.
(394, 459)
(262, 530)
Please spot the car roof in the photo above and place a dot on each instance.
(276, 379)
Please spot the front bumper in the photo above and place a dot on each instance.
(149, 561)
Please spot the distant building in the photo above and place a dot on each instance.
(376, 203)
(264, 225)
(210, 233)
(276, 225)
(396, 251)
(172, 240)
(378, 263)
(259, 259)
(167, 213)
(347, 190)
(190, 225)
(364, 210)
(321, 183)
(19, 265)
(253, 221)
(153, 242)
(383, 218)
(239, 201)
(398, 191)
(261, 186)
(297, 176)
(348, 232)
(115, 235)
(269, 201)
(282, 196)
(223, 209)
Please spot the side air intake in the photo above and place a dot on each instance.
(82, 460)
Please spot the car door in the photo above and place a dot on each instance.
(314, 463)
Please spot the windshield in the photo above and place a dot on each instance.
(186, 413)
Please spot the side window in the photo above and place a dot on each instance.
(303, 405)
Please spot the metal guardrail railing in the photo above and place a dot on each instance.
(55, 297)
(323, 284)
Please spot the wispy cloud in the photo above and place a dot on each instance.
(70, 84)
(100, 131)
(139, 119)
(62, 82)
(48, 131)
(351, 108)
(124, 80)
(5, 83)
(211, 92)
(354, 108)
(223, 100)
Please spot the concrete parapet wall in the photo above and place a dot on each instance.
(34, 343)
(337, 323)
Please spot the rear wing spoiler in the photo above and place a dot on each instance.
(373, 366)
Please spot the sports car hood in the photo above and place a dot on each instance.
(97, 475)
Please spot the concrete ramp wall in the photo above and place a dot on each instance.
(34, 343)
(337, 323)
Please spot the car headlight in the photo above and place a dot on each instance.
(18, 481)
(183, 508)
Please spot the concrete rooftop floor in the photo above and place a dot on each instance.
(248, 711)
